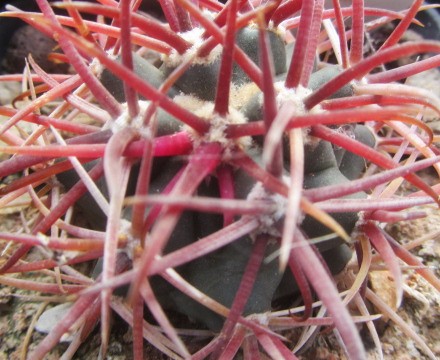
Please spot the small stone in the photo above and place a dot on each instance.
(383, 285)
(26, 40)
(8, 91)
(52, 317)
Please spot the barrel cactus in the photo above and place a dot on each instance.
(225, 177)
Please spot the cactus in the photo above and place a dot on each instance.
(224, 179)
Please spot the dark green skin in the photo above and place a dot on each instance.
(321, 169)
(253, 109)
(321, 164)
(166, 125)
(141, 67)
(335, 258)
(248, 40)
(229, 261)
(88, 206)
(324, 75)
(324, 165)
(352, 165)
(201, 80)
(219, 274)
